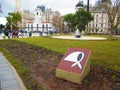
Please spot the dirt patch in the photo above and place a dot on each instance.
(42, 64)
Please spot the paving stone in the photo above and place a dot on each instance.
(11, 88)
(7, 76)
(6, 72)
(5, 68)
(0, 85)
(8, 80)
(3, 65)
(8, 83)
(3, 61)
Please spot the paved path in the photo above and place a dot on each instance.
(9, 79)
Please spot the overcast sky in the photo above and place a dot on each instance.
(64, 7)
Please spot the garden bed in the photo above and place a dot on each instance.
(41, 64)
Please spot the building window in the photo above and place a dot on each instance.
(102, 15)
(96, 30)
(96, 25)
(101, 20)
(92, 30)
(101, 25)
(28, 27)
(47, 27)
(31, 27)
(96, 15)
(37, 13)
(96, 20)
(43, 27)
(37, 27)
(89, 25)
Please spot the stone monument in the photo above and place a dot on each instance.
(75, 65)
(77, 34)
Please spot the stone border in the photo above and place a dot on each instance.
(81, 38)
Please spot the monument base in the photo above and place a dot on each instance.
(73, 77)
(74, 74)
(77, 36)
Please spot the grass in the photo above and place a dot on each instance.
(104, 53)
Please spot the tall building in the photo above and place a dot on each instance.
(27, 18)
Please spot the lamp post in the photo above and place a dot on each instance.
(87, 12)
(87, 5)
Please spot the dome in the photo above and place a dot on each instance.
(79, 4)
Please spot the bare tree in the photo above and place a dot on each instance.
(57, 21)
(113, 11)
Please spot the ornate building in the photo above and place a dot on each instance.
(27, 18)
(43, 21)
(100, 24)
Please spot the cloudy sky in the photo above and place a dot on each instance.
(62, 6)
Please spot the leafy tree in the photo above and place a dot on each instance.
(78, 20)
(69, 18)
(113, 12)
(13, 20)
(82, 18)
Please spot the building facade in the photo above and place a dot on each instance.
(43, 21)
(100, 24)
(27, 18)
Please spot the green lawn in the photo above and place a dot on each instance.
(105, 53)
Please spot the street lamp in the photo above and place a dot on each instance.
(87, 12)
(87, 5)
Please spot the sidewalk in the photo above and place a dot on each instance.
(9, 79)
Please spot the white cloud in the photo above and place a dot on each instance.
(66, 10)
(3, 20)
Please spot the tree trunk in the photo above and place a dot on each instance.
(112, 29)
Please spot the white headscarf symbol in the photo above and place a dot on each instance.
(75, 57)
